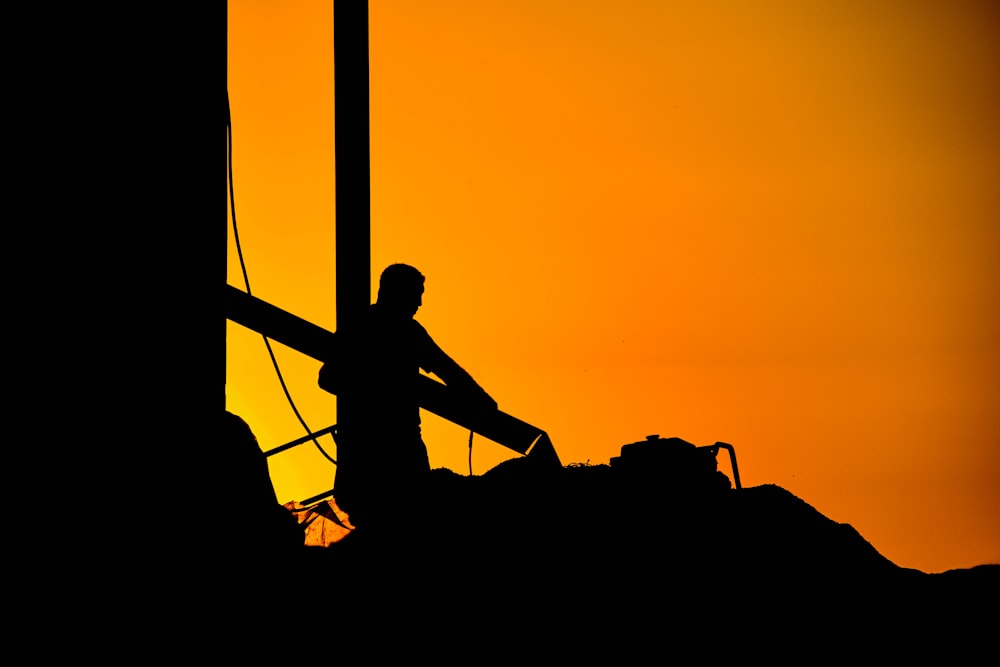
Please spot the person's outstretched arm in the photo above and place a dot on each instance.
(435, 360)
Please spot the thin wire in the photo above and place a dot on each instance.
(470, 453)
(246, 281)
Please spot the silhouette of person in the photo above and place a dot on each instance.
(382, 461)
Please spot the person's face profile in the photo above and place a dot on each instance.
(416, 300)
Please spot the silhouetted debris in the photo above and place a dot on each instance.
(259, 526)
(671, 465)
(589, 557)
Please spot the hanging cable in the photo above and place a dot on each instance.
(246, 282)
(470, 452)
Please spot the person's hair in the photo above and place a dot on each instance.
(399, 279)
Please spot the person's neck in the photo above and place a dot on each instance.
(391, 312)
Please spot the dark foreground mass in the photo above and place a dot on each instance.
(583, 561)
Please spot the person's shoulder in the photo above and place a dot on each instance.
(421, 335)
(418, 328)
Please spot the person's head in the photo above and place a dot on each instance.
(401, 288)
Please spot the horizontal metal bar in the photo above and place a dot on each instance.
(316, 498)
(299, 441)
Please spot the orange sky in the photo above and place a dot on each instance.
(776, 228)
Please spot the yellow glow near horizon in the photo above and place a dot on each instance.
(775, 228)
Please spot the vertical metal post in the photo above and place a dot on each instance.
(224, 189)
(352, 162)
(351, 157)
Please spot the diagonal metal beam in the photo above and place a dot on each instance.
(315, 341)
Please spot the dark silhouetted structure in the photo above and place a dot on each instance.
(267, 531)
(382, 460)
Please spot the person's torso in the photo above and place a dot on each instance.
(381, 363)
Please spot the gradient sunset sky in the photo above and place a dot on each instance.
(774, 224)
